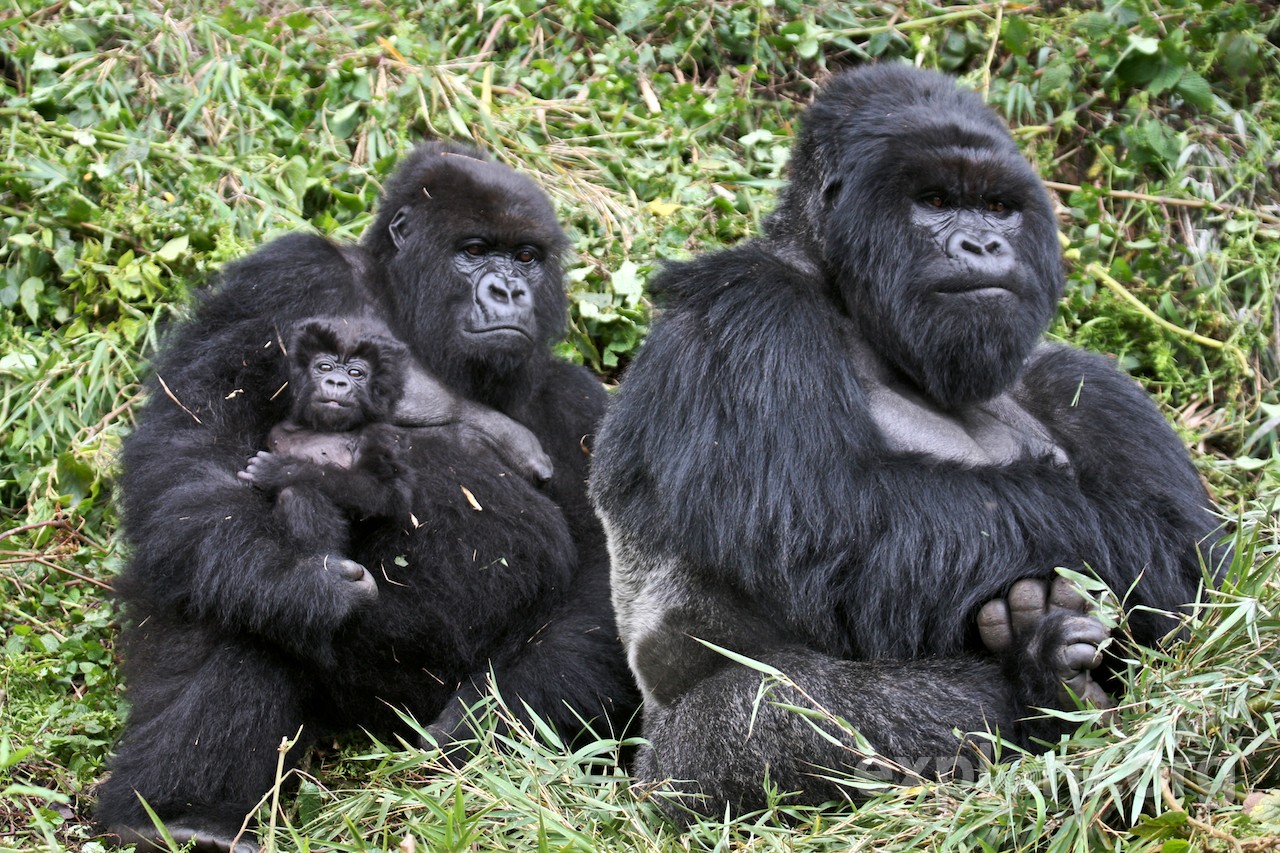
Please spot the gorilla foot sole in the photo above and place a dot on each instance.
(1050, 623)
(186, 837)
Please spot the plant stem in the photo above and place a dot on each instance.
(1096, 270)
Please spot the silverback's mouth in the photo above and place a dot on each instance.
(500, 330)
(985, 291)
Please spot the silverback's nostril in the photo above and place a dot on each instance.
(979, 245)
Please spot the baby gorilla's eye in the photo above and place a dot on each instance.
(355, 373)
(324, 366)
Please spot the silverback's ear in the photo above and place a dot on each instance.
(830, 193)
(399, 227)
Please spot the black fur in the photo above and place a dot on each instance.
(337, 457)
(235, 637)
(832, 450)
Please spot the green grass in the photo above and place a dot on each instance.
(142, 145)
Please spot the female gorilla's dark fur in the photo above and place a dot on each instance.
(234, 640)
(842, 439)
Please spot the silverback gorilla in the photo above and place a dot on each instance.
(844, 451)
(237, 636)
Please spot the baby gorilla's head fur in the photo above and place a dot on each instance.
(345, 373)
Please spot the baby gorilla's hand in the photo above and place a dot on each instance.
(266, 471)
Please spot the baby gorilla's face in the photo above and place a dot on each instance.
(336, 392)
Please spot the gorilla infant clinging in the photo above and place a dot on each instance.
(338, 456)
(845, 451)
(239, 635)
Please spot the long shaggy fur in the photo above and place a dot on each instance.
(752, 499)
(235, 638)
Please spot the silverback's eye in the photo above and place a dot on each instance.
(526, 256)
(475, 250)
(934, 200)
(997, 207)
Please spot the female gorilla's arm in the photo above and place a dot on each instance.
(203, 541)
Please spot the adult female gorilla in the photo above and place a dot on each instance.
(236, 640)
(845, 452)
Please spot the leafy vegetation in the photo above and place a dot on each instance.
(144, 144)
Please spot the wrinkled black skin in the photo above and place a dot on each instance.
(336, 458)
(235, 638)
(842, 438)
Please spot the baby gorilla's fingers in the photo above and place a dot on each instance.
(255, 470)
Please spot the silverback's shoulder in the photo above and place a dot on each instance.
(748, 272)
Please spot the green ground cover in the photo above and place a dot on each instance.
(146, 143)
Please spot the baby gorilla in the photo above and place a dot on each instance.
(338, 457)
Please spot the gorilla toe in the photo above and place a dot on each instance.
(1045, 630)
(1069, 646)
